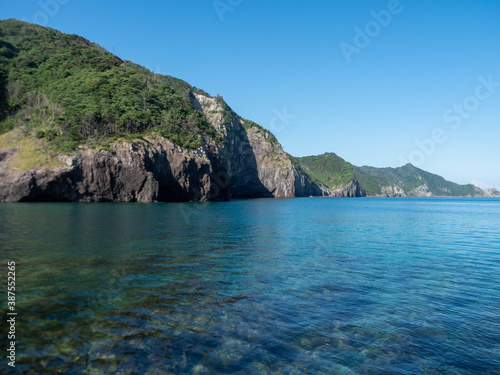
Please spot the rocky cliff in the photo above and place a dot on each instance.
(492, 193)
(351, 190)
(249, 163)
(78, 123)
(306, 188)
(254, 161)
(140, 171)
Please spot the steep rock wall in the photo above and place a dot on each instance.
(256, 165)
(141, 171)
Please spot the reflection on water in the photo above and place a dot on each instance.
(305, 286)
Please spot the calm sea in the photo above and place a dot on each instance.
(304, 286)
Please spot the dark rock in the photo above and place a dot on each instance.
(135, 172)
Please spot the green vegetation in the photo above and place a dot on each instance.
(408, 178)
(68, 91)
(334, 172)
(327, 169)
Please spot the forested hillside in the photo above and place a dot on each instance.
(68, 90)
(334, 172)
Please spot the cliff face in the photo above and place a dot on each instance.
(492, 193)
(56, 81)
(305, 188)
(249, 163)
(140, 171)
(254, 161)
(351, 190)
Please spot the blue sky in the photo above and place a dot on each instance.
(421, 85)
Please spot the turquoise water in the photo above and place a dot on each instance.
(304, 286)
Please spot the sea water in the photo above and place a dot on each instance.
(303, 286)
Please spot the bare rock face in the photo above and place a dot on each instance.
(21, 186)
(398, 191)
(351, 190)
(138, 171)
(256, 165)
(421, 191)
(493, 193)
(274, 169)
(393, 191)
(304, 187)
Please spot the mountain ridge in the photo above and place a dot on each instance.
(404, 181)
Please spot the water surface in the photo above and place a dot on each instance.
(304, 286)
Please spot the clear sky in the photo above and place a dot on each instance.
(367, 80)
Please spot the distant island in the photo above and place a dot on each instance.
(79, 124)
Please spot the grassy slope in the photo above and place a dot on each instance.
(31, 153)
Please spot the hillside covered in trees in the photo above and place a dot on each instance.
(332, 171)
(68, 90)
